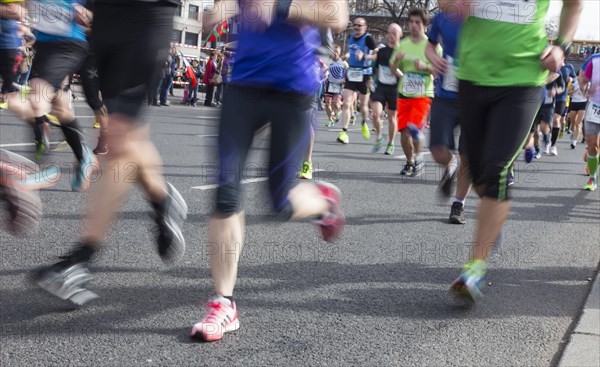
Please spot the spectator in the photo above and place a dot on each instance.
(208, 78)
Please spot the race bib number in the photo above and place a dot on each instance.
(413, 84)
(334, 88)
(507, 11)
(51, 18)
(592, 113)
(450, 82)
(385, 76)
(355, 75)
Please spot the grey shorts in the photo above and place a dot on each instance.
(445, 118)
(592, 128)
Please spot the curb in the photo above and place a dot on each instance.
(583, 349)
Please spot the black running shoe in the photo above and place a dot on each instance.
(447, 183)
(170, 241)
(66, 280)
(457, 213)
(407, 170)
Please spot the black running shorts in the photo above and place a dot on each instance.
(245, 111)
(57, 60)
(131, 42)
(495, 122)
(387, 95)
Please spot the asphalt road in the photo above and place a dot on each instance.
(377, 297)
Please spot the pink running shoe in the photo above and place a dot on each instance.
(221, 317)
(333, 223)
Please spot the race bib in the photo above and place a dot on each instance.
(548, 99)
(450, 82)
(507, 11)
(355, 75)
(385, 76)
(592, 113)
(413, 84)
(334, 88)
(51, 18)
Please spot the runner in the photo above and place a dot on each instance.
(335, 86)
(360, 45)
(415, 90)
(386, 90)
(60, 50)
(543, 117)
(590, 79)
(567, 72)
(279, 90)
(486, 98)
(125, 66)
(445, 114)
(577, 105)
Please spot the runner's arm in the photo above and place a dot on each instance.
(553, 56)
(12, 9)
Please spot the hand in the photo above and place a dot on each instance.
(359, 54)
(420, 65)
(399, 57)
(553, 57)
(439, 65)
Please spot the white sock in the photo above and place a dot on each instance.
(457, 200)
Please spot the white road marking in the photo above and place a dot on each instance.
(246, 181)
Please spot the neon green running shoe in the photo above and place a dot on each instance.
(378, 144)
(467, 287)
(390, 149)
(306, 173)
(591, 184)
(343, 137)
(366, 133)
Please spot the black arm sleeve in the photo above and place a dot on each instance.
(370, 42)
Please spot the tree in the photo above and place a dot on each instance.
(552, 27)
(397, 10)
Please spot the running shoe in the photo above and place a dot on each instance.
(42, 147)
(529, 154)
(96, 124)
(169, 217)
(63, 146)
(51, 119)
(307, 172)
(407, 170)
(418, 168)
(573, 144)
(467, 287)
(84, 170)
(547, 149)
(537, 155)
(365, 131)
(343, 137)
(377, 145)
(511, 179)
(329, 123)
(24, 207)
(554, 151)
(66, 280)
(447, 183)
(457, 213)
(102, 147)
(333, 223)
(221, 317)
(560, 134)
(591, 184)
(390, 149)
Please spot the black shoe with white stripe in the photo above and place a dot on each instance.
(169, 217)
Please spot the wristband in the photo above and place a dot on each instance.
(564, 45)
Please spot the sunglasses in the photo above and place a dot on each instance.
(358, 25)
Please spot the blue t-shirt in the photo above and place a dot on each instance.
(58, 16)
(282, 57)
(445, 29)
(566, 71)
(8, 34)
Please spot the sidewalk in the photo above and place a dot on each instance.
(584, 345)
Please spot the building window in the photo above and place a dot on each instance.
(191, 39)
(179, 11)
(193, 11)
(176, 37)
